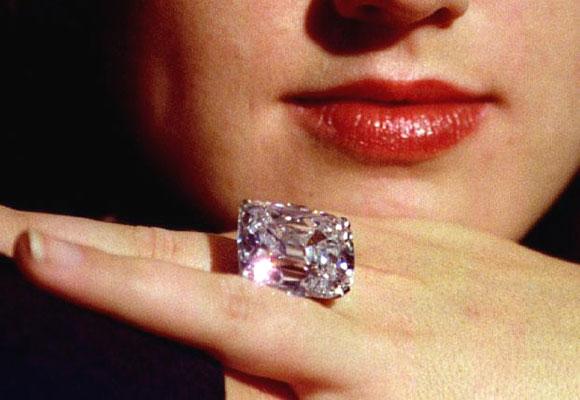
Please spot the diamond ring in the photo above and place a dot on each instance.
(304, 252)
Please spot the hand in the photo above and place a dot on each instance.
(436, 311)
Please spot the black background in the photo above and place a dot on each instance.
(66, 148)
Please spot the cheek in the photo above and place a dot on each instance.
(503, 36)
(242, 52)
(532, 51)
(532, 144)
(526, 42)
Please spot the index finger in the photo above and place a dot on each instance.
(179, 247)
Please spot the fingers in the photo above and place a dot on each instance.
(191, 249)
(257, 330)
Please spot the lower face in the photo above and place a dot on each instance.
(219, 86)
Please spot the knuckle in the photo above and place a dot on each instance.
(249, 312)
(6, 211)
(27, 221)
(154, 243)
(240, 302)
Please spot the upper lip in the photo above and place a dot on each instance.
(390, 92)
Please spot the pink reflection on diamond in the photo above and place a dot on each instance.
(264, 271)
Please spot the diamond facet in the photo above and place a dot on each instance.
(304, 252)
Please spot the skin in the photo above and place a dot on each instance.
(446, 303)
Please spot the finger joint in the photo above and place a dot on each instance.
(240, 302)
(154, 243)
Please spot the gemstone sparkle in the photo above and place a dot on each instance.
(302, 251)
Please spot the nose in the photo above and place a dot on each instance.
(401, 13)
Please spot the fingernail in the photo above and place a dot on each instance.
(36, 246)
(53, 251)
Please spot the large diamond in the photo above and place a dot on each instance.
(304, 252)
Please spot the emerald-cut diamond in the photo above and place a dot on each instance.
(304, 252)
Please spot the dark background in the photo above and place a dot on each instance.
(66, 148)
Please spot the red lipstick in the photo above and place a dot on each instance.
(390, 121)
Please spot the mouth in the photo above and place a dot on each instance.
(390, 121)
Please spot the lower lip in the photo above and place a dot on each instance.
(388, 133)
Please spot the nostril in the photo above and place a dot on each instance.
(368, 10)
(401, 14)
(442, 17)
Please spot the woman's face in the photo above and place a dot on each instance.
(454, 110)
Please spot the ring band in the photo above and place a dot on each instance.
(304, 252)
